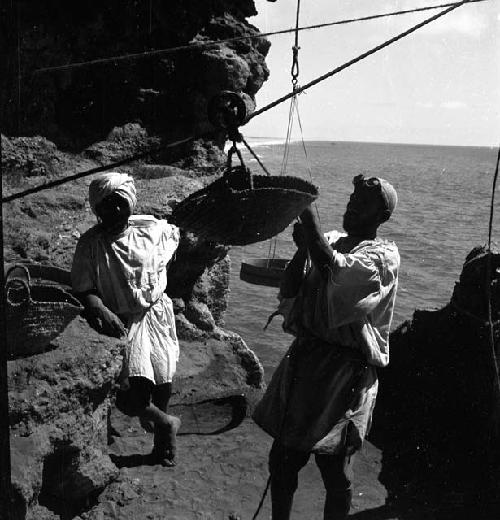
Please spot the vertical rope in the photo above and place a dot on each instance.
(492, 206)
(284, 164)
(308, 164)
(150, 18)
(18, 100)
(5, 460)
(489, 272)
(491, 444)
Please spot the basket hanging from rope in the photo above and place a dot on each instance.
(241, 208)
(36, 313)
(263, 271)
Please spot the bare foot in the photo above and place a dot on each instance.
(171, 446)
(165, 455)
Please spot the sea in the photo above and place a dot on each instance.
(443, 212)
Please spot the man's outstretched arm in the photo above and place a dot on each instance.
(319, 249)
(294, 272)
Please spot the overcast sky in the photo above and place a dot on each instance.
(440, 85)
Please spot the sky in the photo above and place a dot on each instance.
(440, 85)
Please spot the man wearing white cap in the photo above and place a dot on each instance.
(337, 298)
(119, 273)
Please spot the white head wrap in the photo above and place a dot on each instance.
(388, 194)
(112, 182)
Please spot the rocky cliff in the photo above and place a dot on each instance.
(437, 418)
(166, 93)
(58, 123)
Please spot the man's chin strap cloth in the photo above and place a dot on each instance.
(112, 182)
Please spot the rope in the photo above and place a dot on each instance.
(86, 173)
(255, 156)
(212, 43)
(293, 107)
(263, 497)
(295, 49)
(481, 320)
(488, 274)
(18, 97)
(355, 60)
(492, 207)
(273, 243)
(307, 156)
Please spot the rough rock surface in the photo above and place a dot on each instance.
(438, 410)
(80, 118)
(59, 403)
(60, 400)
(165, 93)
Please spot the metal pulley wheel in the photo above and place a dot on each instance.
(228, 110)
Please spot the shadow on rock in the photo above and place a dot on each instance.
(437, 417)
(211, 416)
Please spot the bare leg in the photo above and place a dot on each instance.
(164, 426)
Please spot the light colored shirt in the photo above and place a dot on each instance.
(129, 273)
(322, 395)
(355, 305)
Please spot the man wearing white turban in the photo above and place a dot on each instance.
(119, 273)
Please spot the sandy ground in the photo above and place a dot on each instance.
(219, 474)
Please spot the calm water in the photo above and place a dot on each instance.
(444, 196)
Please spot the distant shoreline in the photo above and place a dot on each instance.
(270, 141)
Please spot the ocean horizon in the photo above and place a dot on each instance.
(267, 141)
(443, 212)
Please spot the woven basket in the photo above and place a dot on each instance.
(36, 314)
(241, 208)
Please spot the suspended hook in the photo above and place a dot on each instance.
(295, 65)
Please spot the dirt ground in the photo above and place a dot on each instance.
(219, 475)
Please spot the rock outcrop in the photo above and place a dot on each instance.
(60, 400)
(166, 92)
(437, 418)
(59, 404)
(63, 122)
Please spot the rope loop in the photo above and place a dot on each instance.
(234, 150)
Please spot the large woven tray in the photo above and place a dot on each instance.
(241, 208)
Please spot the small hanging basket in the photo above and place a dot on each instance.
(36, 314)
(263, 271)
(240, 208)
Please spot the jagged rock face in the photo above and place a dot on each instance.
(60, 403)
(437, 416)
(58, 411)
(167, 94)
(60, 400)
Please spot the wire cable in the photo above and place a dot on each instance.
(86, 173)
(213, 43)
(347, 64)
(295, 91)
(255, 156)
